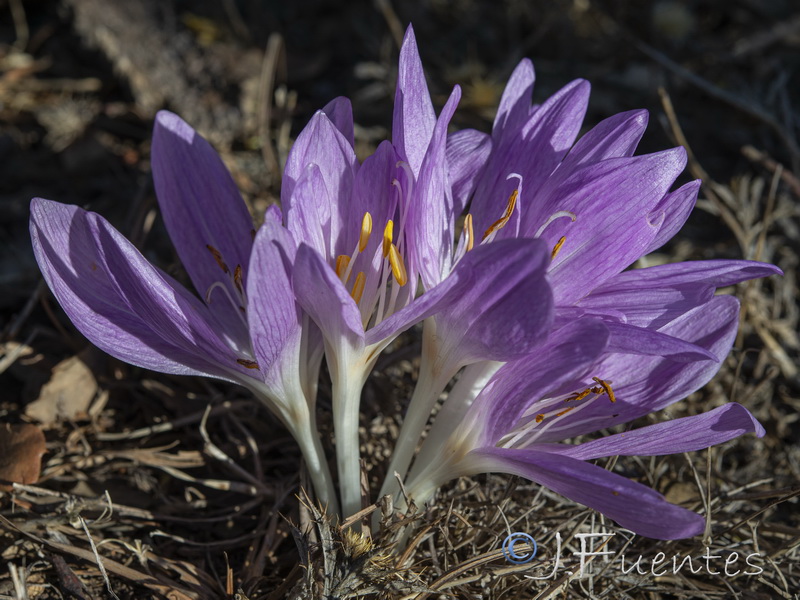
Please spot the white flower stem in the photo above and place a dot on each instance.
(310, 443)
(433, 377)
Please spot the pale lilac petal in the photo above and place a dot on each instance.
(310, 213)
(457, 293)
(611, 201)
(271, 308)
(273, 214)
(322, 144)
(632, 505)
(467, 153)
(629, 339)
(654, 296)
(614, 137)
(675, 208)
(414, 119)
(687, 434)
(201, 207)
(119, 301)
(515, 104)
(340, 112)
(532, 151)
(323, 296)
(430, 216)
(644, 384)
(566, 356)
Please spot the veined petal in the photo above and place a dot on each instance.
(201, 207)
(643, 384)
(121, 302)
(430, 216)
(532, 151)
(515, 104)
(506, 312)
(467, 153)
(566, 356)
(323, 296)
(311, 213)
(484, 261)
(271, 309)
(340, 112)
(675, 208)
(632, 505)
(687, 434)
(654, 296)
(414, 119)
(611, 201)
(614, 137)
(322, 144)
(629, 339)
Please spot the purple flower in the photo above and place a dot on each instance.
(247, 327)
(516, 423)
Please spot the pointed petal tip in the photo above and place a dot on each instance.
(167, 121)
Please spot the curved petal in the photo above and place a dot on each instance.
(271, 308)
(675, 208)
(611, 201)
(340, 112)
(310, 216)
(614, 137)
(632, 505)
(643, 384)
(515, 104)
(687, 434)
(630, 339)
(430, 216)
(413, 120)
(323, 296)
(467, 153)
(322, 144)
(119, 301)
(202, 209)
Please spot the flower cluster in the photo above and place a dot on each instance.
(510, 248)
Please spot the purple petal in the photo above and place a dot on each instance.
(310, 216)
(515, 105)
(430, 216)
(467, 153)
(630, 339)
(484, 261)
(340, 112)
(119, 301)
(414, 119)
(675, 207)
(201, 207)
(565, 356)
(322, 144)
(614, 137)
(323, 296)
(643, 384)
(672, 437)
(533, 151)
(271, 308)
(654, 296)
(632, 505)
(611, 201)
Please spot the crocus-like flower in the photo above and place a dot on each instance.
(247, 329)
(598, 209)
(528, 407)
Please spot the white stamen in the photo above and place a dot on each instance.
(553, 217)
(226, 291)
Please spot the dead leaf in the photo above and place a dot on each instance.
(21, 450)
(67, 395)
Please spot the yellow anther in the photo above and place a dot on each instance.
(557, 247)
(387, 237)
(606, 385)
(342, 262)
(248, 364)
(565, 411)
(470, 232)
(578, 396)
(218, 257)
(540, 418)
(237, 278)
(366, 230)
(358, 286)
(398, 266)
(501, 222)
